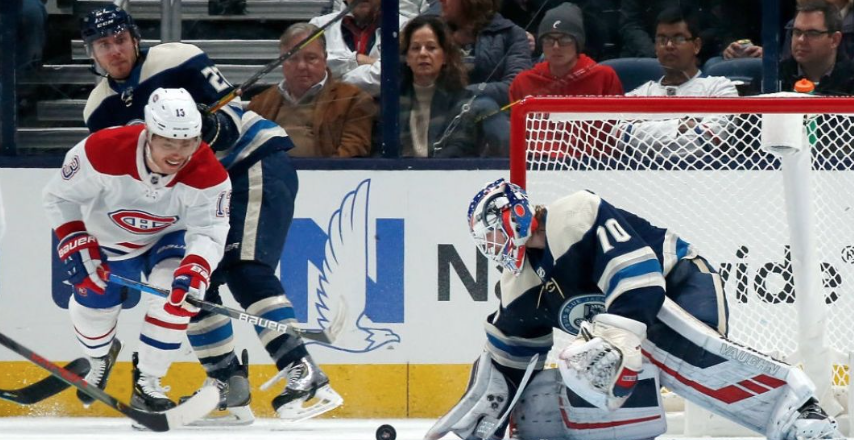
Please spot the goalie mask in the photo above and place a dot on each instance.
(501, 222)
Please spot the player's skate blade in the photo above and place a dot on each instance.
(326, 400)
(232, 416)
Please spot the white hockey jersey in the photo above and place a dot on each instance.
(663, 135)
(105, 184)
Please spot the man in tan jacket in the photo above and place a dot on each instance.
(323, 117)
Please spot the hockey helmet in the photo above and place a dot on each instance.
(172, 113)
(106, 21)
(501, 222)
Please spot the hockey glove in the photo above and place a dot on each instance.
(192, 278)
(210, 125)
(602, 364)
(85, 265)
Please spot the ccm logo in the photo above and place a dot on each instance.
(139, 222)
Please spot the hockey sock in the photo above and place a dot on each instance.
(95, 328)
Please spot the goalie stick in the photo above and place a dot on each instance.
(45, 388)
(195, 408)
(326, 336)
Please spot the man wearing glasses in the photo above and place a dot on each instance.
(676, 46)
(816, 37)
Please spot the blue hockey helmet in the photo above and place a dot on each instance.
(106, 21)
(501, 222)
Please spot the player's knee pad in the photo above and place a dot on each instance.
(548, 410)
(487, 396)
(94, 328)
(250, 282)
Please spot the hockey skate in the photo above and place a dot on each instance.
(148, 394)
(305, 381)
(234, 398)
(99, 371)
(813, 424)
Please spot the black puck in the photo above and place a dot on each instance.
(386, 432)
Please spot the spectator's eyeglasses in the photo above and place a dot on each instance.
(809, 34)
(677, 40)
(562, 41)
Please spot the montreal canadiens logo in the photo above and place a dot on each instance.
(71, 168)
(139, 222)
(578, 309)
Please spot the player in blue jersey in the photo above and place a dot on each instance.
(646, 310)
(254, 151)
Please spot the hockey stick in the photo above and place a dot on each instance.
(237, 91)
(45, 388)
(323, 336)
(195, 408)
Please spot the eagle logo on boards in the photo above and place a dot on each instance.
(71, 168)
(340, 284)
(578, 309)
(140, 222)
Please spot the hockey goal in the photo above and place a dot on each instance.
(778, 226)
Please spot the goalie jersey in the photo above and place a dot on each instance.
(105, 184)
(179, 65)
(597, 257)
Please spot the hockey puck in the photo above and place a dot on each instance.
(386, 432)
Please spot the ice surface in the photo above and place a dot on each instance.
(32, 428)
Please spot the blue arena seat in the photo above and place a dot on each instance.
(635, 71)
(745, 72)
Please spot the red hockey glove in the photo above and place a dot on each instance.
(85, 265)
(192, 278)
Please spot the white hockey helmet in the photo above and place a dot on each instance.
(501, 222)
(172, 113)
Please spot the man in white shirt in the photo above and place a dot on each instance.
(676, 47)
(353, 45)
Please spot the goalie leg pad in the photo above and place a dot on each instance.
(487, 395)
(550, 411)
(743, 385)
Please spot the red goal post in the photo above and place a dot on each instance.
(779, 227)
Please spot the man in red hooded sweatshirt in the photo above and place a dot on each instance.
(566, 70)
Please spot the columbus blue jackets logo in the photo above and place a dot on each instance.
(71, 168)
(578, 309)
(139, 222)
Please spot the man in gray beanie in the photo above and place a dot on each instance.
(566, 71)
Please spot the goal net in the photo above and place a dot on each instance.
(778, 227)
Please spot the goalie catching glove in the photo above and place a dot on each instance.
(602, 364)
(191, 278)
(85, 265)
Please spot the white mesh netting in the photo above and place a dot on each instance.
(706, 178)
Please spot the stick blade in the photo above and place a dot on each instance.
(194, 408)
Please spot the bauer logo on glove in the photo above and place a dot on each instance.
(191, 279)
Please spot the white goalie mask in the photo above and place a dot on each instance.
(501, 222)
(172, 113)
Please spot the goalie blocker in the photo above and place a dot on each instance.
(685, 356)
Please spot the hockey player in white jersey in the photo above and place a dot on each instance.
(265, 185)
(646, 310)
(139, 200)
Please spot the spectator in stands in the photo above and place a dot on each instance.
(528, 14)
(846, 46)
(494, 51)
(816, 55)
(566, 69)
(722, 21)
(353, 45)
(676, 46)
(323, 116)
(433, 92)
